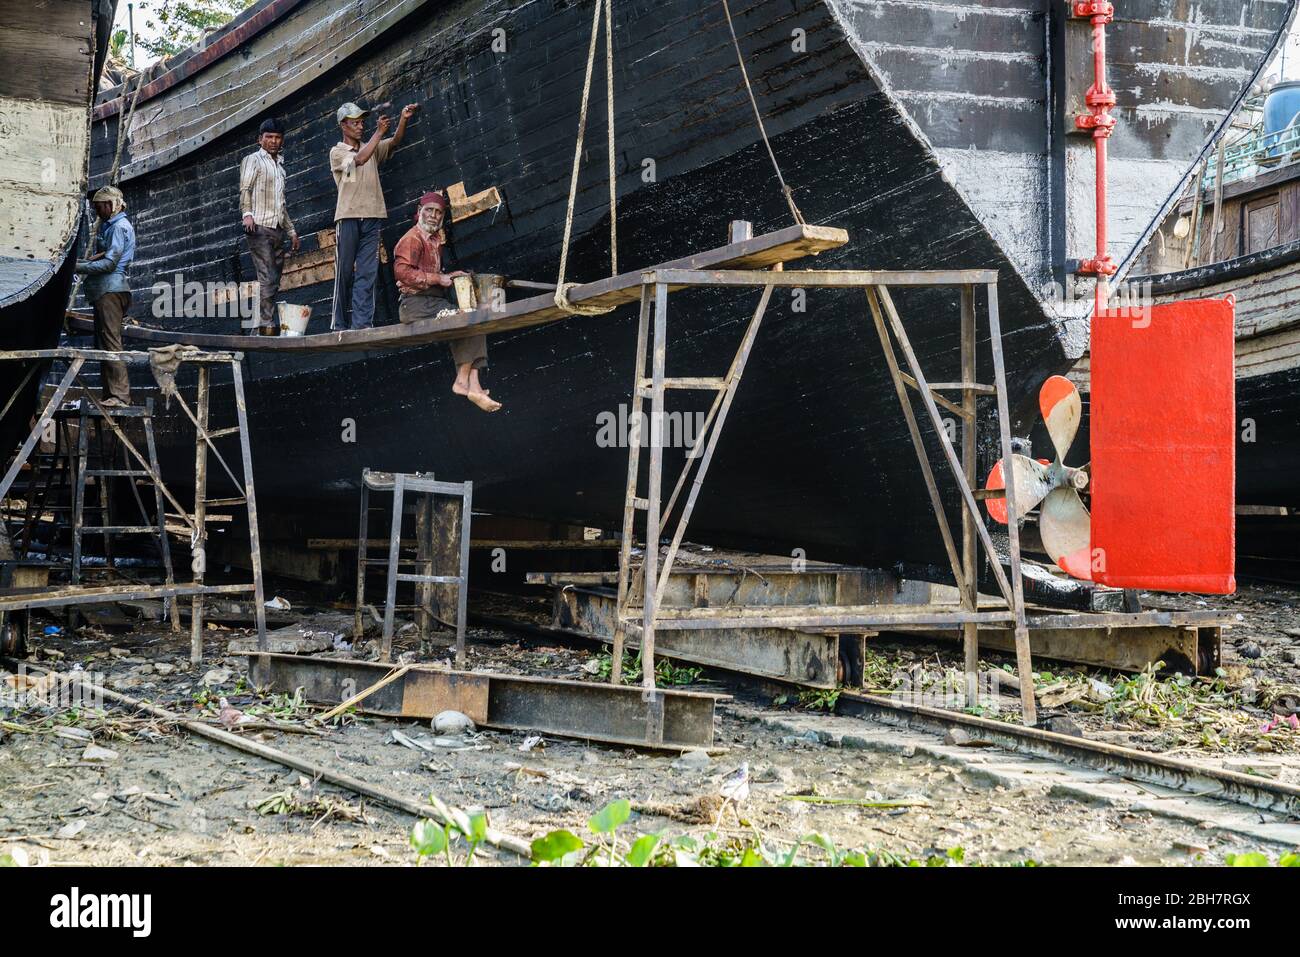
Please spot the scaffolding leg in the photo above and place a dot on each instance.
(79, 497)
(394, 545)
(358, 625)
(969, 543)
(654, 487)
(199, 537)
(1024, 661)
(462, 588)
(250, 501)
(630, 496)
(171, 604)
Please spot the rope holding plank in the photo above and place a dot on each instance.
(785, 189)
(561, 287)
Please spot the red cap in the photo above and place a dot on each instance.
(431, 199)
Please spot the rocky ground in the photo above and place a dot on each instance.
(112, 787)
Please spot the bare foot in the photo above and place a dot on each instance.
(483, 401)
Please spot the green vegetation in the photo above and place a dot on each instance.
(606, 847)
(666, 673)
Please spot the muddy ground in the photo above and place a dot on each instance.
(165, 797)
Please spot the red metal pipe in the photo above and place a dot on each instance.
(1099, 98)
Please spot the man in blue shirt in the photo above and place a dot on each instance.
(107, 290)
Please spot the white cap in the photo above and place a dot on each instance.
(350, 111)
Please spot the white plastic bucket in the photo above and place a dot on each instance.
(293, 319)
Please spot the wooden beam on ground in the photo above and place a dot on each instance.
(72, 595)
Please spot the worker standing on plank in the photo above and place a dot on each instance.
(418, 264)
(266, 218)
(360, 212)
(107, 290)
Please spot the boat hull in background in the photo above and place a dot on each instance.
(871, 125)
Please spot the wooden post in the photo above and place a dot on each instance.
(633, 439)
(1024, 663)
(358, 624)
(649, 598)
(969, 544)
(199, 538)
(164, 546)
(250, 499)
(394, 547)
(462, 589)
(424, 519)
(79, 496)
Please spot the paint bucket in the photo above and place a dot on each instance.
(487, 289)
(293, 319)
(466, 296)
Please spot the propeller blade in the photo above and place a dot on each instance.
(1066, 529)
(1062, 409)
(1032, 486)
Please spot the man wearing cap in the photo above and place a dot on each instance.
(107, 290)
(418, 265)
(266, 217)
(360, 212)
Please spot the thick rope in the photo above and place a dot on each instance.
(561, 287)
(789, 193)
(123, 123)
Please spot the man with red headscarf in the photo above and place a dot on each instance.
(417, 262)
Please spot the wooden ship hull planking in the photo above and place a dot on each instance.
(936, 135)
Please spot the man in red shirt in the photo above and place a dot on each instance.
(417, 262)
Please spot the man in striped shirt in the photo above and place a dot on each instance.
(266, 217)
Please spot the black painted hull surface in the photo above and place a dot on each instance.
(815, 455)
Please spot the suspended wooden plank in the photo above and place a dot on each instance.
(782, 246)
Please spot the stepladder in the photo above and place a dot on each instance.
(653, 384)
(87, 491)
(442, 520)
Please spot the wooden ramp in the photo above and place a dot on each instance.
(760, 252)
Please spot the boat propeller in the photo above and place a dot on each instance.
(1063, 521)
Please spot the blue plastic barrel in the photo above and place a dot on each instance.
(1280, 110)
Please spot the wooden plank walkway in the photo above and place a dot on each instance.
(760, 252)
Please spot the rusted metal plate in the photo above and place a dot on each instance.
(593, 711)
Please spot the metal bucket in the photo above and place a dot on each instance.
(293, 318)
(476, 290)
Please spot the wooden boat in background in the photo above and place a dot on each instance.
(52, 53)
(1244, 242)
(936, 135)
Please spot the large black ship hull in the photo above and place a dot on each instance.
(815, 455)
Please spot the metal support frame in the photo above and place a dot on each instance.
(652, 343)
(424, 485)
(104, 469)
(146, 466)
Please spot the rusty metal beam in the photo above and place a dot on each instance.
(1184, 648)
(595, 711)
(800, 657)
